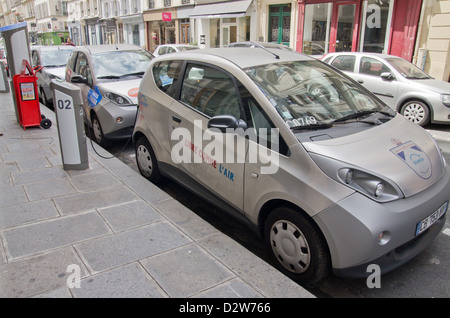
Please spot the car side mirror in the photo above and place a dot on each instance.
(387, 76)
(78, 79)
(223, 122)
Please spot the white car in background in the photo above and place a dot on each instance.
(53, 60)
(400, 84)
(172, 48)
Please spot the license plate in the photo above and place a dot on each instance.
(429, 220)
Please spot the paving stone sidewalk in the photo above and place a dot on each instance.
(121, 235)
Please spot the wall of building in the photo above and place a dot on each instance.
(434, 39)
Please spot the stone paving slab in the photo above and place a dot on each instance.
(34, 275)
(195, 271)
(129, 281)
(50, 234)
(126, 247)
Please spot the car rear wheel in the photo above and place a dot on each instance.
(296, 245)
(146, 160)
(417, 112)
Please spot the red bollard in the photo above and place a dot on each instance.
(27, 98)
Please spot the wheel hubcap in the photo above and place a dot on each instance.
(290, 246)
(97, 131)
(414, 112)
(144, 161)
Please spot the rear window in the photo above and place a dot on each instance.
(166, 75)
(344, 63)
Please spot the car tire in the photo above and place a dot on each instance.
(146, 160)
(98, 132)
(417, 112)
(296, 245)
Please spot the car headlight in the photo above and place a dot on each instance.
(445, 98)
(376, 187)
(370, 185)
(118, 99)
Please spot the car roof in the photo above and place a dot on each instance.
(241, 57)
(93, 49)
(379, 55)
(52, 47)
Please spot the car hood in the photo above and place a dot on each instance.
(128, 88)
(60, 72)
(434, 85)
(398, 150)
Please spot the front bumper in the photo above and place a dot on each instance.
(108, 115)
(352, 226)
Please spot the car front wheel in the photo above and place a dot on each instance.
(417, 112)
(296, 245)
(146, 160)
(98, 132)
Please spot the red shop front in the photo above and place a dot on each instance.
(381, 26)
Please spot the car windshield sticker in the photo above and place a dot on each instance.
(94, 97)
(414, 157)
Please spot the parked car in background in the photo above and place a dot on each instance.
(398, 83)
(172, 48)
(109, 77)
(267, 45)
(53, 60)
(329, 176)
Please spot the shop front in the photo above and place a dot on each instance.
(161, 26)
(219, 24)
(380, 26)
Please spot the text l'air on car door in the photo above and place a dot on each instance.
(369, 76)
(212, 158)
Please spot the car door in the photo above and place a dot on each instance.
(213, 160)
(369, 75)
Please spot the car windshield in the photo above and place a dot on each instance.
(55, 58)
(407, 69)
(118, 64)
(309, 93)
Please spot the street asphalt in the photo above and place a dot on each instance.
(107, 232)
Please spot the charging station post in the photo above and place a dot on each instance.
(68, 105)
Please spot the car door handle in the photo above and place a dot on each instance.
(360, 81)
(176, 119)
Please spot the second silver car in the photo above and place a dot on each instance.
(400, 84)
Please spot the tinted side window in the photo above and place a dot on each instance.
(261, 124)
(82, 67)
(344, 63)
(166, 75)
(210, 91)
(372, 66)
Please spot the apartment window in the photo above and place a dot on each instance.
(151, 4)
(167, 3)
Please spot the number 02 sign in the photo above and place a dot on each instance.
(67, 127)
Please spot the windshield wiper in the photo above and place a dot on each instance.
(356, 115)
(133, 74)
(312, 126)
(108, 77)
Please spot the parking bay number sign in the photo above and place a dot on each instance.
(68, 136)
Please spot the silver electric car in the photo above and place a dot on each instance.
(331, 178)
(108, 76)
